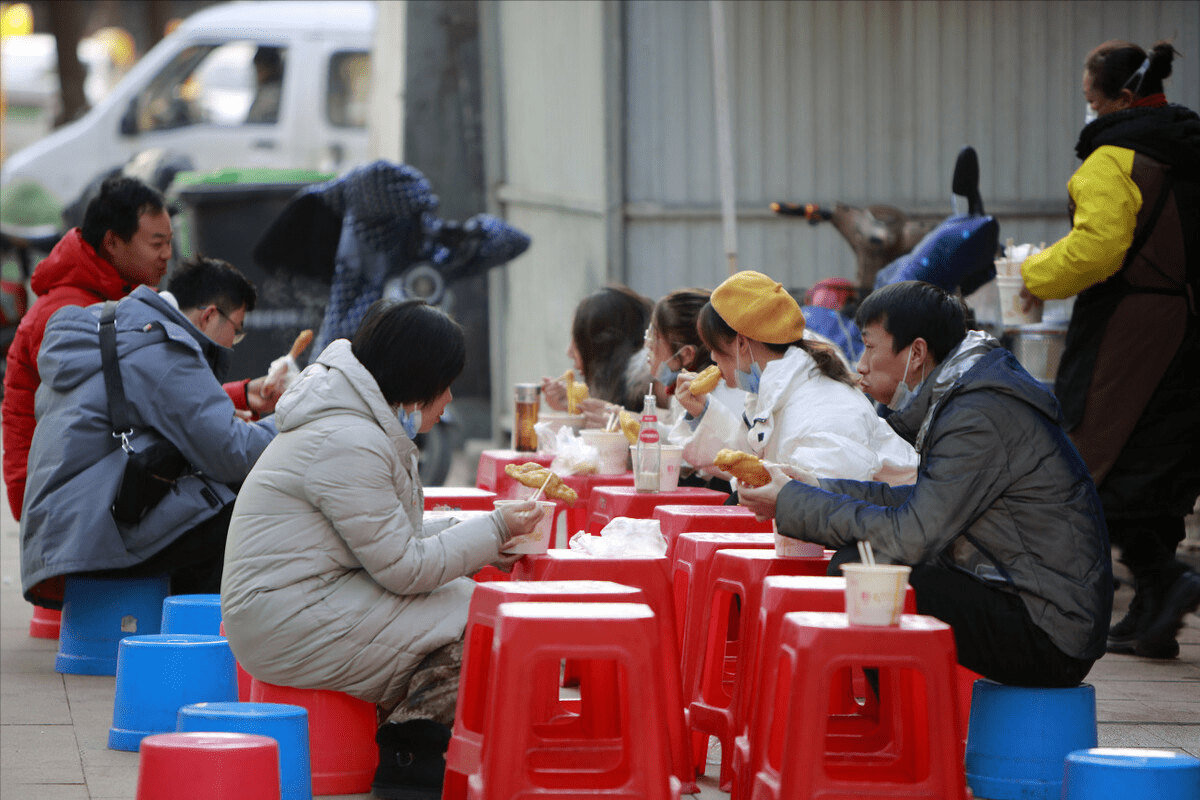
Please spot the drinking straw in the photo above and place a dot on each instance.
(865, 553)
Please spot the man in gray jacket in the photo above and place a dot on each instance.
(1003, 528)
(172, 350)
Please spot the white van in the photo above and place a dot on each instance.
(280, 84)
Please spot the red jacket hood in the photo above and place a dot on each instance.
(73, 262)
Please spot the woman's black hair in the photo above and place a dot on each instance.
(413, 350)
(716, 334)
(913, 309)
(675, 317)
(608, 328)
(1115, 65)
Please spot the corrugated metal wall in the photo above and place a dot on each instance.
(859, 102)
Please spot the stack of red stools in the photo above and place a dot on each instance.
(458, 498)
(913, 746)
(490, 473)
(608, 502)
(782, 594)
(676, 520)
(521, 754)
(650, 574)
(720, 651)
(559, 718)
(574, 516)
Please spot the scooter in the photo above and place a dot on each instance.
(957, 254)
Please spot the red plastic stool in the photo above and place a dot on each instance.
(341, 735)
(490, 473)
(458, 498)
(782, 594)
(519, 760)
(243, 677)
(45, 623)
(690, 562)
(476, 684)
(649, 575)
(729, 602)
(680, 519)
(922, 754)
(608, 502)
(208, 766)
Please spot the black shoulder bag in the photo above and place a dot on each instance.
(151, 472)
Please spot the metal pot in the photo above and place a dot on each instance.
(1039, 348)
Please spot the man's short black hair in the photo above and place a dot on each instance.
(413, 350)
(118, 208)
(913, 309)
(200, 282)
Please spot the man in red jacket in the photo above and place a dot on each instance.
(125, 241)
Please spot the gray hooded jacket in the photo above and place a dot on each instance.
(1001, 494)
(170, 371)
(332, 578)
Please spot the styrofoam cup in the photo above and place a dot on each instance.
(875, 593)
(668, 471)
(787, 547)
(555, 420)
(536, 541)
(1009, 288)
(611, 446)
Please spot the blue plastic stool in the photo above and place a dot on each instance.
(1018, 737)
(98, 613)
(1130, 773)
(192, 613)
(157, 675)
(286, 724)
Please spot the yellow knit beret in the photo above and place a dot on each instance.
(756, 306)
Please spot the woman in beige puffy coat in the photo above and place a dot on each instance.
(331, 580)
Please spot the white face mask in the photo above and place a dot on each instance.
(1089, 114)
(903, 394)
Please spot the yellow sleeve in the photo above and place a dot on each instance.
(1106, 208)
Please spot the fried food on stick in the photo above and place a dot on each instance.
(706, 381)
(302, 342)
(576, 391)
(533, 475)
(629, 425)
(747, 468)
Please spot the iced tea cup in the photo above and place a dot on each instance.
(537, 540)
(670, 459)
(875, 593)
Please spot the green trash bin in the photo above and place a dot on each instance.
(224, 213)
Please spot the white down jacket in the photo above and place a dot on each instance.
(801, 418)
(331, 581)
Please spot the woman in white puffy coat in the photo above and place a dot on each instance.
(803, 408)
(331, 579)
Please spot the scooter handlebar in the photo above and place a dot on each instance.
(810, 211)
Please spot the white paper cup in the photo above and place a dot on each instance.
(1009, 289)
(538, 540)
(669, 463)
(875, 593)
(611, 446)
(787, 547)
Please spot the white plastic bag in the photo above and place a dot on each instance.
(622, 537)
(572, 455)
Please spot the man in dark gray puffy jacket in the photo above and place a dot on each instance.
(1003, 528)
(172, 347)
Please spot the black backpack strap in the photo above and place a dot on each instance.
(118, 406)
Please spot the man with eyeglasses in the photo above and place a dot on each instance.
(172, 349)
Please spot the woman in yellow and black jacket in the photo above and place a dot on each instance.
(1129, 379)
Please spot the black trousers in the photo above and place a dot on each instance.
(1148, 544)
(194, 561)
(993, 632)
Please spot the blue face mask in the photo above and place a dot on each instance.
(747, 381)
(665, 375)
(410, 421)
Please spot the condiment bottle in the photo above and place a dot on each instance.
(525, 415)
(648, 456)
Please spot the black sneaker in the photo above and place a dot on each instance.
(1123, 635)
(412, 760)
(1182, 597)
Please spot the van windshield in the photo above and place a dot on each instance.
(235, 83)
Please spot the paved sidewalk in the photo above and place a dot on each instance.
(54, 728)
